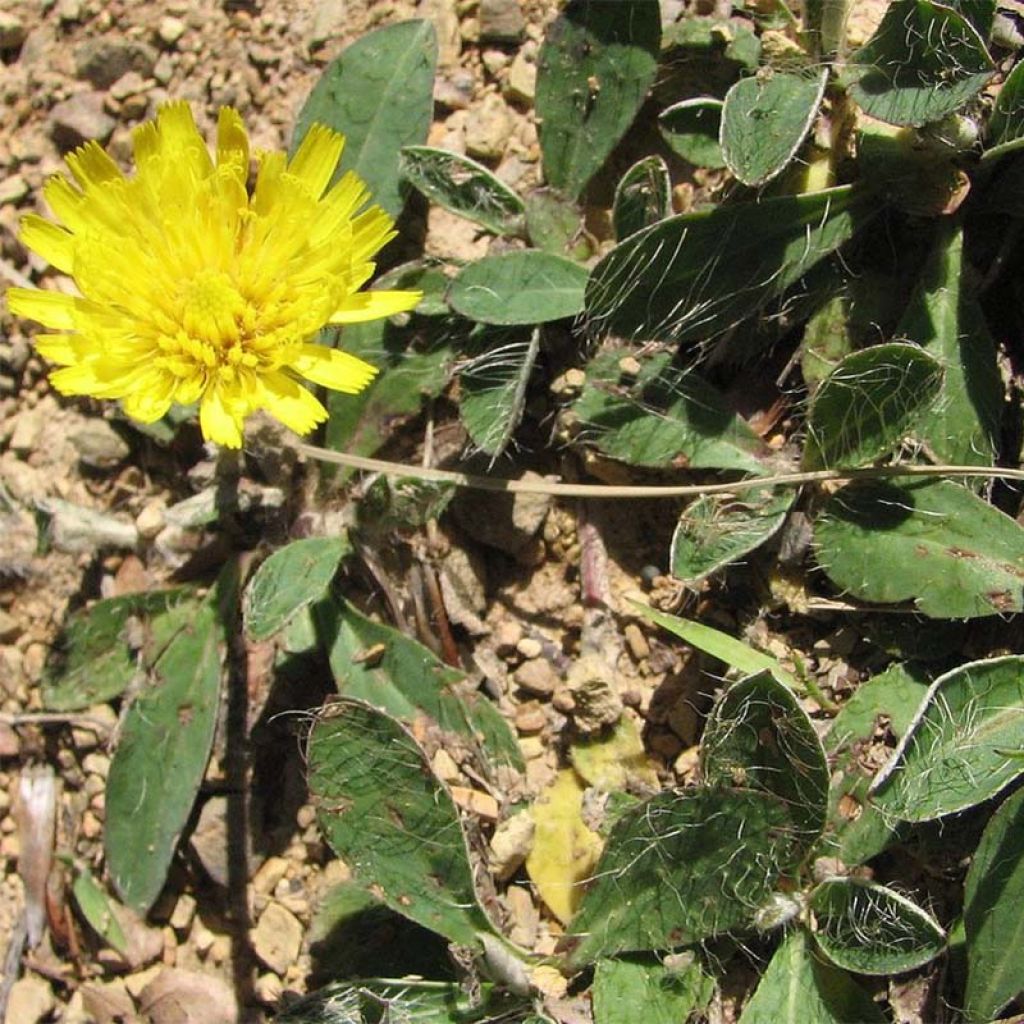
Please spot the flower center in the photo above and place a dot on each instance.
(212, 309)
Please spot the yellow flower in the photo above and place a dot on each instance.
(193, 290)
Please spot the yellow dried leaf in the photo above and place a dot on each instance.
(617, 761)
(564, 849)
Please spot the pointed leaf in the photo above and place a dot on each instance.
(1006, 125)
(933, 542)
(758, 736)
(683, 867)
(527, 286)
(96, 907)
(993, 896)
(691, 277)
(869, 403)
(716, 530)
(962, 746)
(925, 61)
(962, 426)
(378, 664)
(799, 988)
(643, 196)
(165, 743)
(692, 129)
(765, 120)
(666, 417)
(493, 382)
(464, 187)
(593, 71)
(392, 821)
(380, 95)
(289, 581)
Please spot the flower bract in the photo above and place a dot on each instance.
(194, 288)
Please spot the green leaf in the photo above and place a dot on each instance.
(684, 866)
(857, 828)
(426, 275)
(96, 907)
(799, 988)
(384, 667)
(593, 71)
(691, 277)
(827, 340)
(993, 895)
(289, 581)
(868, 404)
(933, 542)
(714, 642)
(870, 929)
(642, 196)
(625, 991)
(962, 426)
(493, 382)
(464, 187)
(758, 736)
(380, 95)
(765, 120)
(99, 647)
(392, 821)
(666, 417)
(165, 743)
(716, 530)
(924, 61)
(555, 224)
(527, 286)
(1006, 124)
(691, 128)
(414, 365)
(959, 750)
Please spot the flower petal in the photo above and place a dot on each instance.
(63, 349)
(289, 402)
(51, 309)
(217, 422)
(48, 240)
(92, 166)
(340, 371)
(374, 305)
(232, 141)
(317, 158)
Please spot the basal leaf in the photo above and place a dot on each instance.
(693, 276)
(692, 128)
(392, 821)
(869, 403)
(593, 71)
(963, 746)
(1006, 125)
(642, 196)
(627, 991)
(380, 95)
(931, 542)
(527, 286)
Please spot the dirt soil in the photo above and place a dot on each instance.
(215, 948)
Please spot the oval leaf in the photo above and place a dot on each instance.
(691, 277)
(627, 991)
(870, 929)
(932, 542)
(759, 737)
(993, 896)
(963, 746)
(692, 128)
(924, 61)
(765, 119)
(290, 580)
(684, 866)
(380, 95)
(392, 821)
(642, 196)
(593, 71)
(524, 287)
(868, 404)
(463, 186)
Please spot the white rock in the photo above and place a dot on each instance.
(277, 938)
(30, 1001)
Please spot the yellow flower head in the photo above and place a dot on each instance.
(194, 290)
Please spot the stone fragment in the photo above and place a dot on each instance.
(102, 60)
(108, 1003)
(488, 127)
(483, 805)
(176, 996)
(530, 717)
(501, 21)
(277, 938)
(504, 521)
(99, 445)
(592, 684)
(80, 118)
(13, 189)
(28, 428)
(31, 1000)
(537, 677)
(12, 31)
(521, 84)
(10, 628)
(170, 30)
(510, 844)
(150, 520)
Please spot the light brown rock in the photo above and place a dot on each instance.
(277, 938)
